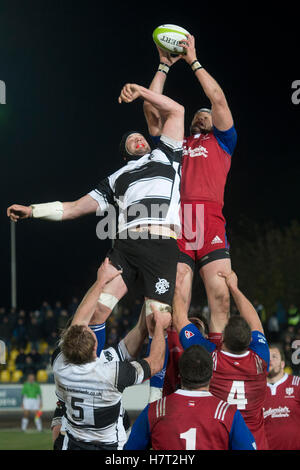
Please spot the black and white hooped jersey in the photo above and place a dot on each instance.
(145, 191)
(92, 394)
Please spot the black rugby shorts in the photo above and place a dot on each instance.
(154, 261)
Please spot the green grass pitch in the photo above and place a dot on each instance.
(30, 440)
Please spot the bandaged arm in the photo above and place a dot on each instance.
(58, 211)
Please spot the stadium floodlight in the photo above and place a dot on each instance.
(13, 261)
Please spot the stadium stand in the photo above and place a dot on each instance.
(32, 353)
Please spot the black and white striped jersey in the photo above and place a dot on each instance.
(145, 191)
(92, 394)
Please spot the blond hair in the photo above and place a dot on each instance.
(78, 344)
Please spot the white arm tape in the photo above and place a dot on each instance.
(108, 300)
(48, 211)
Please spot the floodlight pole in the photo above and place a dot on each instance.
(13, 260)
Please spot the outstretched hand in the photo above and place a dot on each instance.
(129, 93)
(188, 45)
(166, 57)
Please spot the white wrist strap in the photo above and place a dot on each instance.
(163, 68)
(48, 211)
(196, 65)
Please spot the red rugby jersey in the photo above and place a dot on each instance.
(206, 163)
(172, 379)
(190, 420)
(241, 380)
(282, 413)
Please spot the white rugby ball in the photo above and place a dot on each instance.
(167, 37)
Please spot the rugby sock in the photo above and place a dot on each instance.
(157, 381)
(99, 331)
(38, 423)
(24, 424)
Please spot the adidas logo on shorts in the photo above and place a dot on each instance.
(216, 240)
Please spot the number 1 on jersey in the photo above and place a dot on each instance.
(237, 395)
(190, 438)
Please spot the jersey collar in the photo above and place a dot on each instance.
(135, 160)
(274, 386)
(235, 355)
(193, 393)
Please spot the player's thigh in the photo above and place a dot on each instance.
(158, 266)
(216, 289)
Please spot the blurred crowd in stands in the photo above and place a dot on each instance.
(31, 336)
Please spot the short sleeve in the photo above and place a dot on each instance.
(260, 346)
(226, 139)
(190, 335)
(131, 373)
(103, 194)
(173, 149)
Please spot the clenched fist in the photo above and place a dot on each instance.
(17, 212)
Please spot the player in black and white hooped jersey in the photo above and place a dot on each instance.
(91, 387)
(146, 194)
(133, 342)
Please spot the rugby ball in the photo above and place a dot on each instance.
(167, 37)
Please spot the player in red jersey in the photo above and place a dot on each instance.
(282, 405)
(206, 163)
(172, 377)
(191, 418)
(240, 364)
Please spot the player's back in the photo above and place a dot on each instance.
(92, 394)
(190, 420)
(240, 379)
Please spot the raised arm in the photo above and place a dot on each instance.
(244, 306)
(135, 338)
(171, 111)
(154, 119)
(54, 211)
(221, 114)
(87, 306)
(158, 346)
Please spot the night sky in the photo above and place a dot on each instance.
(64, 64)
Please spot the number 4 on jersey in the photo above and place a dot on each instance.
(237, 395)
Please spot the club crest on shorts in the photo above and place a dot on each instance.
(189, 334)
(162, 286)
